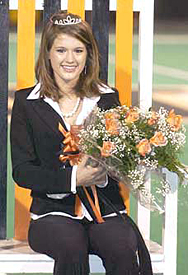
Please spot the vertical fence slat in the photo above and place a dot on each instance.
(146, 26)
(4, 35)
(100, 26)
(26, 43)
(25, 78)
(50, 7)
(124, 34)
(124, 38)
(145, 79)
(77, 7)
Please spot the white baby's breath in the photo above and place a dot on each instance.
(125, 160)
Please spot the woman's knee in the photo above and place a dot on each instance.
(58, 237)
(114, 236)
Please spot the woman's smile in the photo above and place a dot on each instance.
(69, 69)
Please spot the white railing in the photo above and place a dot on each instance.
(137, 6)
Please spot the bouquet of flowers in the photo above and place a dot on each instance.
(129, 142)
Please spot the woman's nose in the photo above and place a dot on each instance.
(69, 56)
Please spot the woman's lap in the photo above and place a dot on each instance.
(113, 233)
(115, 243)
(70, 241)
(58, 236)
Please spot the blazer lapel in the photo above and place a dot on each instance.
(48, 115)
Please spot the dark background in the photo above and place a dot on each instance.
(171, 9)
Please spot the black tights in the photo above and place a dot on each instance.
(69, 241)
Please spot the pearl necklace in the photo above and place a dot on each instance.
(70, 114)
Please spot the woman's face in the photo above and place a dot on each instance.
(68, 57)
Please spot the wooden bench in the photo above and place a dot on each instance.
(17, 257)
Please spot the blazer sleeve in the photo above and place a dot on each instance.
(27, 171)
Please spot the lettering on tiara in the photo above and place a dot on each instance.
(68, 21)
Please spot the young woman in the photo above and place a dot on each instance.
(64, 225)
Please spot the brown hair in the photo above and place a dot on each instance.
(88, 84)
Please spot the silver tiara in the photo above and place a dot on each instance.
(68, 21)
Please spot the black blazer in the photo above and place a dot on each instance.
(35, 141)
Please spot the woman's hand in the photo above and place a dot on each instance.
(87, 175)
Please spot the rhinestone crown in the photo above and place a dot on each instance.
(68, 21)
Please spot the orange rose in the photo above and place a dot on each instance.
(174, 120)
(144, 147)
(153, 118)
(107, 148)
(132, 115)
(112, 123)
(158, 139)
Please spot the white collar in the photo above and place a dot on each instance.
(35, 92)
(88, 103)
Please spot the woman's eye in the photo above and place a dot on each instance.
(78, 50)
(61, 50)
